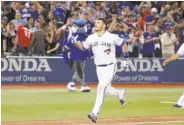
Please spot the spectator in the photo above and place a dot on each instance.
(144, 10)
(4, 21)
(50, 17)
(3, 45)
(140, 22)
(39, 41)
(136, 40)
(98, 12)
(8, 12)
(180, 31)
(52, 7)
(168, 40)
(149, 39)
(159, 32)
(23, 40)
(10, 36)
(36, 25)
(18, 21)
(57, 39)
(130, 14)
(36, 9)
(30, 22)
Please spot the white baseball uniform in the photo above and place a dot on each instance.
(181, 99)
(103, 48)
(181, 50)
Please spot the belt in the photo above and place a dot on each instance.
(103, 65)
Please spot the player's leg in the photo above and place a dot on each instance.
(180, 103)
(120, 94)
(105, 76)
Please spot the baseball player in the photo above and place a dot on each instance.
(77, 57)
(103, 44)
(180, 103)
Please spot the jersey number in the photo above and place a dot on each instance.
(27, 32)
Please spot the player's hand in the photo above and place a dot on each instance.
(165, 62)
(124, 64)
(74, 39)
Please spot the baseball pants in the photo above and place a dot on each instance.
(181, 101)
(105, 77)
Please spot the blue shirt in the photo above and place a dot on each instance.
(148, 48)
(19, 22)
(34, 29)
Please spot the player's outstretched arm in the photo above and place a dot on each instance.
(172, 58)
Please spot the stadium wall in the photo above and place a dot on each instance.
(53, 70)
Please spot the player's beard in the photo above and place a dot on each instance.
(98, 29)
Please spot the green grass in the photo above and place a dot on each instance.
(58, 104)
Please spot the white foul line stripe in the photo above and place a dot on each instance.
(137, 123)
(168, 102)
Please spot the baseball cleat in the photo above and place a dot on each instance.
(92, 117)
(123, 102)
(85, 89)
(122, 98)
(177, 106)
(71, 87)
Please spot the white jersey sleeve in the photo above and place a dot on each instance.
(118, 41)
(87, 44)
(181, 50)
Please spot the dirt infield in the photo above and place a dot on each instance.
(121, 121)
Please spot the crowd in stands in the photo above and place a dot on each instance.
(150, 28)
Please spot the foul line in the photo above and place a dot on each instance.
(168, 102)
(137, 123)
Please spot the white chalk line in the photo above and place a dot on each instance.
(137, 123)
(168, 102)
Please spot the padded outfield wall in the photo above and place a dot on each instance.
(53, 70)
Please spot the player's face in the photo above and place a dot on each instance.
(99, 25)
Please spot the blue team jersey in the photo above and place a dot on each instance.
(76, 54)
(148, 48)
